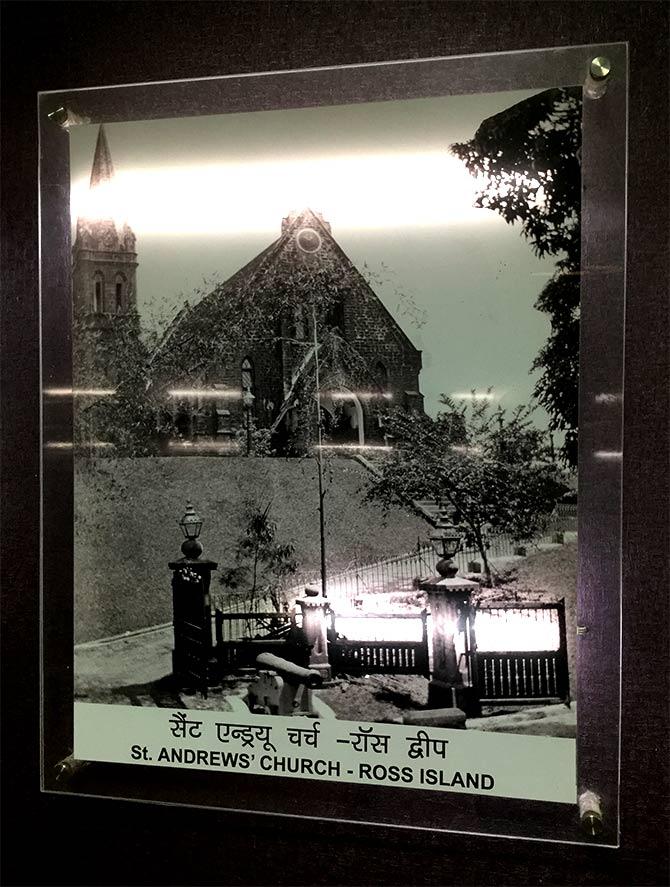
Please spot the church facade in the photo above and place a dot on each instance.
(295, 339)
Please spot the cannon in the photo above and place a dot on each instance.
(282, 687)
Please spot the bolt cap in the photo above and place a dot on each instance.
(600, 67)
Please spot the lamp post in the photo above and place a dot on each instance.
(248, 401)
(319, 455)
(193, 659)
(447, 540)
(314, 610)
(191, 525)
(452, 684)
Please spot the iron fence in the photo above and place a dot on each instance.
(391, 576)
(231, 626)
(521, 653)
(350, 587)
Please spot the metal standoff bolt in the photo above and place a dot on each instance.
(69, 767)
(582, 630)
(590, 813)
(600, 67)
(595, 85)
(65, 118)
(58, 116)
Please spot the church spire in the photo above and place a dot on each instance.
(104, 251)
(102, 220)
(102, 170)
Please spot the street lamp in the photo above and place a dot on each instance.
(194, 661)
(452, 680)
(248, 401)
(447, 541)
(191, 525)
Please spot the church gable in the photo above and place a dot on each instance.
(265, 314)
(367, 329)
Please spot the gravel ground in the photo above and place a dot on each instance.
(376, 697)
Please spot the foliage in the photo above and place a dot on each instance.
(406, 304)
(249, 307)
(492, 468)
(275, 304)
(261, 563)
(339, 366)
(527, 162)
(108, 354)
(258, 441)
(558, 360)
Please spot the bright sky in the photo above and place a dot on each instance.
(206, 194)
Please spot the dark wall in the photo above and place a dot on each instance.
(55, 839)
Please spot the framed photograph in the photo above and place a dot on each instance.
(332, 367)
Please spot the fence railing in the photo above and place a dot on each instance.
(516, 678)
(240, 637)
(517, 652)
(400, 573)
(389, 576)
(521, 653)
(366, 644)
(379, 657)
(231, 626)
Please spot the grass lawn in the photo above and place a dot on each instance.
(126, 526)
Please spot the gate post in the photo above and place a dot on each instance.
(193, 659)
(449, 602)
(313, 607)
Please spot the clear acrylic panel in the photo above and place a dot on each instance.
(353, 337)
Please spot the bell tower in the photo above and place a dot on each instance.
(104, 264)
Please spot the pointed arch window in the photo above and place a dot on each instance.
(382, 376)
(98, 292)
(335, 317)
(119, 293)
(247, 375)
(299, 322)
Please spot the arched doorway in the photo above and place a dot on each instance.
(342, 417)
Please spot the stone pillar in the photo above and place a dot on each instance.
(314, 607)
(449, 604)
(193, 656)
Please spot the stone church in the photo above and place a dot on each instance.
(251, 355)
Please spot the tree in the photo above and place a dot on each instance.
(261, 311)
(527, 160)
(261, 563)
(110, 356)
(492, 468)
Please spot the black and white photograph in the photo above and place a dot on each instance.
(325, 379)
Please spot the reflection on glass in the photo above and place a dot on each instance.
(608, 455)
(80, 392)
(607, 397)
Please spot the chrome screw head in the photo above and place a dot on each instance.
(600, 67)
(58, 116)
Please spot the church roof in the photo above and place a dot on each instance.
(209, 315)
(102, 170)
